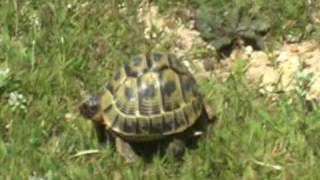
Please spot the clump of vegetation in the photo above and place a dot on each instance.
(302, 83)
(4, 75)
(223, 28)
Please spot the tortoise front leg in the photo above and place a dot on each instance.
(126, 150)
(101, 132)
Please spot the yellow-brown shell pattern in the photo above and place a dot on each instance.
(152, 96)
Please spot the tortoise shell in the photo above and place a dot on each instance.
(152, 96)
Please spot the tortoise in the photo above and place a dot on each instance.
(151, 97)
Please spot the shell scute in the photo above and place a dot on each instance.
(180, 120)
(168, 122)
(171, 93)
(188, 91)
(137, 66)
(158, 62)
(144, 125)
(126, 98)
(156, 125)
(177, 66)
(128, 125)
(149, 94)
(116, 81)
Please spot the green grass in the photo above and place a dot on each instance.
(58, 53)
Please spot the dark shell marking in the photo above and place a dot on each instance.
(149, 94)
(128, 92)
(153, 95)
(137, 66)
(149, 91)
(169, 87)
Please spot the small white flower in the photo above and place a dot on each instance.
(69, 6)
(122, 7)
(154, 35)
(147, 33)
(62, 40)
(4, 72)
(36, 21)
(47, 176)
(210, 47)
(17, 101)
(85, 4)
(4, 75)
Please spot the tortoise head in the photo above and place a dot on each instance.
(94, 106)
(90, 108)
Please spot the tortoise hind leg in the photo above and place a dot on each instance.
(176, 147)
(209, 111)
(126, 150)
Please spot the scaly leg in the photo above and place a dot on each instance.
(176, 147)
(126, 150)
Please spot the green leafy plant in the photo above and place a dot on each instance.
(223, 29)
(302, 83)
